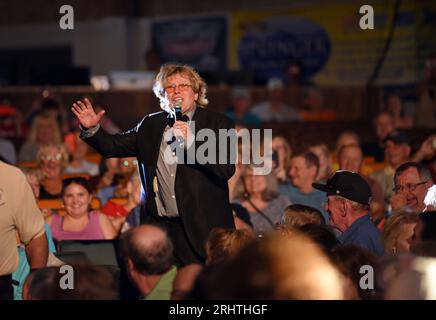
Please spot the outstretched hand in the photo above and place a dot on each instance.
(86, 114)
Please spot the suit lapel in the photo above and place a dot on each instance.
(155, 138)
(199, 118)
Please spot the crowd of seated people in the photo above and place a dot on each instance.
(304, 208)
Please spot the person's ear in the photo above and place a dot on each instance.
(130, 266)
(129, 187)
(314, 171)
(344, 208)
(196, 96)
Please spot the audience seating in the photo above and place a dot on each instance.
(28, 164)
(93, 157)
(58, 204)
(120, 201)
(85, 175)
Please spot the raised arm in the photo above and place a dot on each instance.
(119, 145)
(86, 114)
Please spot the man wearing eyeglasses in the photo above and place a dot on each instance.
(189, 199)
(412, 181)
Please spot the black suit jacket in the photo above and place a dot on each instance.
(201, 190)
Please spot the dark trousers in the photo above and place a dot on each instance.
(6, 289)
(184, 253)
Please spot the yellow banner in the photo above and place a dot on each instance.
(329, 43)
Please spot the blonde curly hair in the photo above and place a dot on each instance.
(198, 84)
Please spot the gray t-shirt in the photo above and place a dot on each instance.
(274, 211)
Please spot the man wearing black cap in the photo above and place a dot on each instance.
(348, 205)
(397, 152)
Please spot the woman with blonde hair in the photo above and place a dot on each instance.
(44, 130)
(52, 160)
(225, 243)
(398, 232)
(297, 215)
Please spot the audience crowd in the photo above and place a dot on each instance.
(304, 231)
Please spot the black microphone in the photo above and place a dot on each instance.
(179, 116)
(178, 109)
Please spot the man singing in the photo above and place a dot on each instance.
(188, 197)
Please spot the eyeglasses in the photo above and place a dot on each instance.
(57, 157)
(183, 87)
(126, 163)
(408, 186)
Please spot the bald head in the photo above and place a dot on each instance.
(149, 249)
(147, 237)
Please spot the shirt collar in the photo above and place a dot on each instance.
(190, 114)
(354, 226)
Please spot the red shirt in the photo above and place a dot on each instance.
(114, 210)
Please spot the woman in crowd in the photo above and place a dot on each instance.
(223, 244)
(398, 231)
(297, 215)
(262, 200)
(52, 160)
(78, 163)
(44, 131)
(282, 153)
(325, 161)
(79, 222)
(127, 215)
(113, 182)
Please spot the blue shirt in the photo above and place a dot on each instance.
(23, 270)
(363, 233)
(315, 199)
(106, 193)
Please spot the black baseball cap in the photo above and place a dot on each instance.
(397, 137)
(347, 184)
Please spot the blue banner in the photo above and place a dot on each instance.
(198, 41)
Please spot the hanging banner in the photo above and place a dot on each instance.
(198, 41)
(327, 41)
